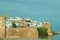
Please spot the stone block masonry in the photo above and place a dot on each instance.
(22, 32)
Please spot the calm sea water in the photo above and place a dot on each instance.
(55, 37)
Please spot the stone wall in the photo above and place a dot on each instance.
(2, 22)
(48, 26)
(2, 27)
(22, 33)
(2, 32)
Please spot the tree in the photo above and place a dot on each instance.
(14, 25)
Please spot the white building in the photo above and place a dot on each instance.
(12, 19)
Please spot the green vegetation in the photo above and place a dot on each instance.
(14, 25)
(42, 32)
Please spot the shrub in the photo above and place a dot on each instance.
(42, 31)
(14, 25)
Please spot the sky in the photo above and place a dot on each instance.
(39, 10)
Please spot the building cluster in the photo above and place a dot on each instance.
(17, 23)
(20, 22)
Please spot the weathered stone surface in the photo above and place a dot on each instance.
(2, 32)
(2, 27)
(22, 33)
(2, 22)
(48, 26)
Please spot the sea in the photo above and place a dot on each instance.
(55, 37)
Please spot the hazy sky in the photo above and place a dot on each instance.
(40, 10)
